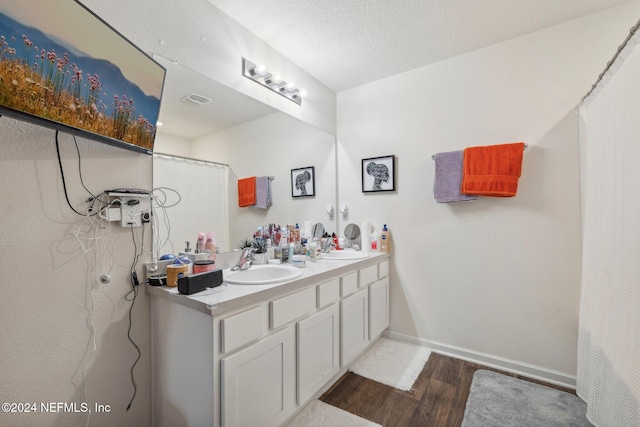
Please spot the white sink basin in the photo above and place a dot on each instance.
(345, 255)
(261, 275)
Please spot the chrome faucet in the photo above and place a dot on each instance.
(326, 244)
(245, 260)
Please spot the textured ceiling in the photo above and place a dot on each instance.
(347, 43)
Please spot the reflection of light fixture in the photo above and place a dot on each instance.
(159, 123)
(259, 74)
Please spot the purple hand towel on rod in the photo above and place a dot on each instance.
(448, 178)
(263, 192)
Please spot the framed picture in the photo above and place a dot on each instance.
(378, 174)
(303, 182)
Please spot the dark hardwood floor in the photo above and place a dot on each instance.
(438, 397)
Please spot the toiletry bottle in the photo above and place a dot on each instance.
(335, 242)
(374, 241)
(210, 245)
(200, 243)
(385, 240)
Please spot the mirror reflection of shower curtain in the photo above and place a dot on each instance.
(609, 331)
(203, 188)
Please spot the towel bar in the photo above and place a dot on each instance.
(433, 156)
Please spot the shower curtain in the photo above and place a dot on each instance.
(608, 377)
(203, 189)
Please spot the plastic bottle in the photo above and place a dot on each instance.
(210, 245)
(374, 241)
(200, 243)
(385, 240)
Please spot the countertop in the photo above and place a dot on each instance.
(228, 297)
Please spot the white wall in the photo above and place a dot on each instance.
(497, 277)
(45, 341)
(273, 145)
(50, 288)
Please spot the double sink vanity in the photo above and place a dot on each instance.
(254, 352)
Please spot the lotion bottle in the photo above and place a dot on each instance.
(385, 240)
(210, 245)
(200, 243)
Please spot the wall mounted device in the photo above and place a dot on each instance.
(273, 81)
(107, 98)
(344, 210)
(129, 206)
(330, 211)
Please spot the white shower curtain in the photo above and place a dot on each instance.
(609, 328)
(203, 189)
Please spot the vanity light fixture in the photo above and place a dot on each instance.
(273, 81)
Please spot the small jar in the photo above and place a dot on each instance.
(299, 260)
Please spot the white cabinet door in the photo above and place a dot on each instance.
(318, 351)
(354, 325)
(258, 382)
(378, 307)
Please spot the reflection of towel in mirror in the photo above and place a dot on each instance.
(448, 178)
(493, 170)
(263, 192)
(247, 191)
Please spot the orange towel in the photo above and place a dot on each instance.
(492, 170)
(247, 191)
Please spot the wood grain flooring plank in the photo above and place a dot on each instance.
(438, 397)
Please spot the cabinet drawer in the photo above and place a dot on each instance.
(291, 307)
(242, 328)
(368, 275)
(328, 292)
(383, 269)
(348, 284)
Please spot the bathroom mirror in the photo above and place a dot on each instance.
(212, 136)
(317, 230)
(352, 235)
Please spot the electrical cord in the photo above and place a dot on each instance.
(64, 183)
(80, 167)
(134, 291)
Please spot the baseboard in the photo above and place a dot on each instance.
(525, 369)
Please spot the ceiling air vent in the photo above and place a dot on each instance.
(196, 99)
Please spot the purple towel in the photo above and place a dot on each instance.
(263, 192)
(448, 178)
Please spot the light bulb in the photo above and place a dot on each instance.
(260, 69)
(276, 78)
(303, 93)
(290, 86)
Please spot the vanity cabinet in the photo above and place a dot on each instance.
(318, 345)
(258, 382)
(378, 307)
(256, 361)
(354, 326)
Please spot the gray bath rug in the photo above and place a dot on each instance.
(501, 401)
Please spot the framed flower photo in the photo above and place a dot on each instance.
(378, 174)
(303, 182)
